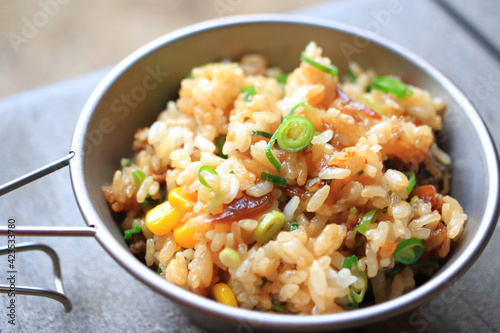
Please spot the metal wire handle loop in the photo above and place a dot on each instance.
(57, 294)
(34, 175)
(91, 230)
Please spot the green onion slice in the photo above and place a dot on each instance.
(215, 202)
(269, 154)
(294, 226)
(201, 178)
(159, 271)
(330, 69)
(127, 233)
(125, 162)
(355, 294)
(424, 264)
(139, 177)
(219, 143)
(269, 227)
(273, 179)
(368, 218)
(409, 251)
(248, 92)
(282, 78)
(398, 268)
(262, 133)
(391, 85)
(277, 308)
(360, 172)
(351, 74)
(295, 134)
(416, 267)
(412, 180)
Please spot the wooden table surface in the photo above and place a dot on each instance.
(36, 128)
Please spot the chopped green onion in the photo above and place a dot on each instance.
(414, 200)
(127, 233)
(282, 78)
(353, 210)
(330, 69)
(201, 178)
(125, 162)
(368, 218)
(159, 270)
(215, 202)
(360, 172)
(391, 85)
(283, 198)
(219, 143)
(144, 204)
(412, 180)
(351, 74)
(409, 251)
(262, 133)
(269, 154)
(415, 267)
(269, 227)
(294, 226)
(423, 264)
(277, 308)
(230, 258)
(191, 76)
(349, 262)
(355, 294)
(295, 134)
(231, 172)
(273, 179)
(398, 268)
(139, 177)
(248, 92)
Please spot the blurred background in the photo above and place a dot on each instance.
(44, 41)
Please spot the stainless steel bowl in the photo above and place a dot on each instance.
(133, 94)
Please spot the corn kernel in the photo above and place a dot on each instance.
(178, 200)
(184, 236)
(163, 219)
(223, 294)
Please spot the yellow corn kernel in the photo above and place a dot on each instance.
(178, 200)
(223, 294)
(184, 236)
(163, 219)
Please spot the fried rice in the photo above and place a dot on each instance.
(360, 210)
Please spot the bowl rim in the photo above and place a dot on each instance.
(346, 319)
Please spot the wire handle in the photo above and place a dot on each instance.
(57, 294)
(34, 175)
(91, 230)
